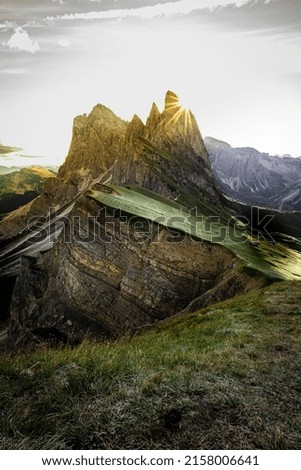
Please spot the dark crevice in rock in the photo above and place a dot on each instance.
(7, 285)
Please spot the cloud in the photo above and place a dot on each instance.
(180, 7)
(272, 17)
(13, 71)
(7, 25)
(21, 40)
(64, 42)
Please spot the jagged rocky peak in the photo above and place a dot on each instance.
(132, 151)
(175, 124)
(104, 114)
(129, 282)
(172, 103)
(134, 132)
(136, 126)
(168, 149)
(101, 138)
(174, 111)
(97, 141)
(154, 118)
(101, 115)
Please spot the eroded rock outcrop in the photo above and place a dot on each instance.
(107, 277)
(97, 143)
(166, 155)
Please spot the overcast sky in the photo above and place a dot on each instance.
(236, 64)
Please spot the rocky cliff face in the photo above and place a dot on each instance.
(107, 279)
(97, 143)
(166, 155)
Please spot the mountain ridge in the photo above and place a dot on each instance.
(100, 139)
(132, 236)
(150, 155)
(256, 178)
(108, 284)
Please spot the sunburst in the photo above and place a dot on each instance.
(179, 111)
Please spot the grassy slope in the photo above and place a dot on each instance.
(226, 377)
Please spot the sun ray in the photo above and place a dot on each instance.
(186, 120)
(174, 119)
(176, 111)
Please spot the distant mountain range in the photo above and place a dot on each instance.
(5, 170)
(256, 178)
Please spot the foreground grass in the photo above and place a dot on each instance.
(223, 378)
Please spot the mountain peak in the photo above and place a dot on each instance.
(136, 121)
(212, 141)
(154, 112)
(153, 119)
(172, 102)
(135, 127)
